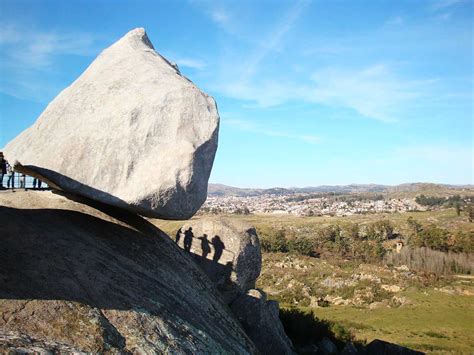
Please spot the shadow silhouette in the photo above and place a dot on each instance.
(218, 248)
(219, 272)
(188, 239)
(205, 246)
(116, 261)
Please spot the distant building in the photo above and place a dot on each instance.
(399, 246)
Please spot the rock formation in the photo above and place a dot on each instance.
(131, 132)
(260, 319)
(228, 251)
(80, 279)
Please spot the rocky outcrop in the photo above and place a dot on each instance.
(227, 250)
(74, 278)
(131, 132)
(260, 319)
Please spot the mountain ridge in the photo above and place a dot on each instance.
(226, 190)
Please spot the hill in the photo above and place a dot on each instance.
(409, 188)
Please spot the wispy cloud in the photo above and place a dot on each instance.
(274, 39)
(248, 126)
(26, 53)
(444, 4)
(190, 63)
(395, 21)
(37, 49)
(374, 92)
(220, 16)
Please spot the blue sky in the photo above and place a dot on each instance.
(309, 92)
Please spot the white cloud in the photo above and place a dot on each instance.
(249, 126)
(30, 49)
(273, 40)
(220, 16)
(374, 92)
(443, 4)
(190, 63)
(395, 21)
(28, 53)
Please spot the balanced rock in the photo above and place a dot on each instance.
(131, 131)
(75, 279)
(227, 250)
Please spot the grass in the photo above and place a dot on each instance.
(267, 224)
(435, 322)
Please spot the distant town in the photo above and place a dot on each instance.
(335, 200)
(304, 205)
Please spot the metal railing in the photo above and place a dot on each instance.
(21, 181)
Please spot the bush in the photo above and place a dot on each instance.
(433, 261)
(276, 243)
(302, 245)
(304, 328)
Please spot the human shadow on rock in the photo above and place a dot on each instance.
(219, 272)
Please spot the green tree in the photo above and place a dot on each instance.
(457, 207)
(470, 212)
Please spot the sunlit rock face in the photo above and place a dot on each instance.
(131, 131)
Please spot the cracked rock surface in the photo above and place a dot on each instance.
(86, 277)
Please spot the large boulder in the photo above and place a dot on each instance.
(131, 131)
(77, 279)
(227, 250)
(260, 319)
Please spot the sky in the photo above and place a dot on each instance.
(309, 92)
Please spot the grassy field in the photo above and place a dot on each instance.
(265, 223)
(435, 316)
(436, 322)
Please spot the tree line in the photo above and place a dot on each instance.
(369, 242)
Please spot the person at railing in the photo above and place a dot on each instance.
(11, 176)
(23, 181)
(36, 181)
(3, 169)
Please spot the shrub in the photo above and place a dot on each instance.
(276, 243)
(302, 245)
(433, 261)
(304, 328)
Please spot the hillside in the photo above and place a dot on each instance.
(404, 189)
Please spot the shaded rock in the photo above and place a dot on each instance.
(82, 279)
(309, 349)
(380, 347)
(131, 132)
(326, 346)
(349, 349)
(227, 250)
(260, 319)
